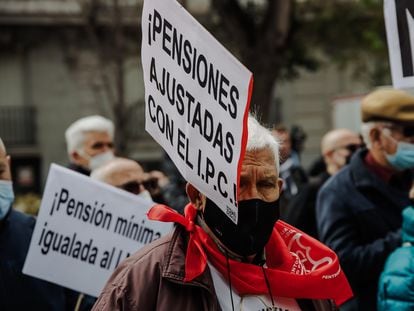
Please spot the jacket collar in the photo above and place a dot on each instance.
(79, 169)
(363, 177)
(174, 268)
(5, 219)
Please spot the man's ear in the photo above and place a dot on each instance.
(74, 155)
(280, 184)
(375, 136)
(194, 196)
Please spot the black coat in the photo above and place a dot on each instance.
(300, 211)
(359, 217)
(19, 291)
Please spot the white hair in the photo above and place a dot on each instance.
(75, 133)
(367, 127)
(260, 137)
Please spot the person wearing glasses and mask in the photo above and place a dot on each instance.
(128, 175)
(19, 291)
(124, 174)
(359, 209)
(90, 143)
(210, 263)
(337, 147)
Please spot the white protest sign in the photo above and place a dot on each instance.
(84, 229)
(399, 21)
(197, 97)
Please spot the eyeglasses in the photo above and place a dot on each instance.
(100, 145)
(405, 130)
(408, 131)
(131, 187)
(351, 147)
(150, 184)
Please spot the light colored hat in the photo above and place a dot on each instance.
(388, 105)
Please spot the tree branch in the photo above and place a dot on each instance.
(275, 27)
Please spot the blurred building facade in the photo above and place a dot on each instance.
(52, 72)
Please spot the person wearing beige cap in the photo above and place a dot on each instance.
(359, 209)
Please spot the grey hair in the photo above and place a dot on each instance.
(75, 133)
(366, 129)
(260, 137)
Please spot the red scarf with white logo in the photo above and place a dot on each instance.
(297, 266)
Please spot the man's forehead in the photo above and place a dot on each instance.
(123, 176)
(127, 168)
(93, 135)
(348, 139)
(263, 158)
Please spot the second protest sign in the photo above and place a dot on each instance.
(85, 229)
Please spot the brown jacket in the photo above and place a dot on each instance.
(153, 279)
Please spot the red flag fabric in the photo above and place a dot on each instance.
(297, 266)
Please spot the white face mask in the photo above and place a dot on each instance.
(145, 195)
(100, 159)
(339, 159)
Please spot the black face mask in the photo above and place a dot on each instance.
(253, 230)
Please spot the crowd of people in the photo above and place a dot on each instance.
(300, 238)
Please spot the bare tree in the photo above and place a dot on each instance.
(113, 41)
(262, 35)
(275, 38)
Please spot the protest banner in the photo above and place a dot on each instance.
(197, 97)
(84, 229)
(399, 22)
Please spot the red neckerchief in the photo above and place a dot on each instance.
(297, 266)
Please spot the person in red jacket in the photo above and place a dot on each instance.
(210, 263)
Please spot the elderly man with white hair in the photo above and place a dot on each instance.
(210, 263)
(90, 143)
(359, 209)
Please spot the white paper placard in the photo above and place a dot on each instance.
(84, 229)
(197, 97)
(399, 22)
